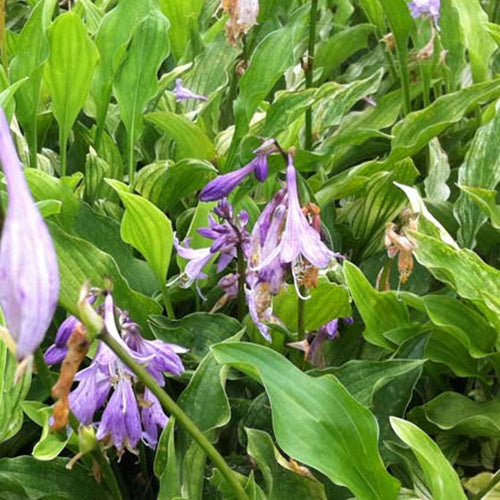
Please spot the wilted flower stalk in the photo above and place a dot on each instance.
(242, 17)
(29, 274)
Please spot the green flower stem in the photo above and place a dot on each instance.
(173, 409)
(309, 71)
(131, 165)
(167, 303)
(63, 151)
(301, 331)
(242, 306)
(405, 77)
(3, 31)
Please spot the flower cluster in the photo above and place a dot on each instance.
(429, 8)
(285, 236)
(130, 413)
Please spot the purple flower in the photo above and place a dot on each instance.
(299, 239)
(182, 93)
(260, 307)
(29, 274)
(198, 258)
(56, 353)
(224, 184)
(428, 8)
(121, 423)
(152, 417)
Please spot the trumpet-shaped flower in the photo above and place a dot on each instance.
(182, 93)
(299, 238)
(29, 275)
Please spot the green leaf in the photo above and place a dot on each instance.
(183, 16)
(281, 481)
(190, 140)
(79, 260)
(50, 479)
(464, 271)
(316, 421)
(480, 46)
(164, 184)
(32, 50)
(441, 478)
(328, 301)
(115, 32)
(51, 443)
(165, 464)
(147, 229)
(336, 49)
(381, 311)
(481, 169)
(436, 188)
(196, 331)
(70, 67)
(11, 394)
(363, 379)
(458, 414)
(485, 199)
(136, 81)
(419, 127)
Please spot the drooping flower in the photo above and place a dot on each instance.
(299, 240)
(131, 413)
(428, 8)
(221, 186)
(29, 274)
(183, 93)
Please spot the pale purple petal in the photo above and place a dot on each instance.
(428, 8)
(182, 93)
(153, 417)
(29, 275)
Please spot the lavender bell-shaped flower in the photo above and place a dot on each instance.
(221, 186)
(182, 93)
(429, 8)
(299, 239)
(29, 275)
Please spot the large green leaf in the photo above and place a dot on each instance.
(183, 16)
(464, 271)
(440, 475)
(32, 50)
(189, 138)
(70, 67)
(36, 479)
(147, 229)
(480, 46)
(381, 311)
(11, 394)
(458, 414)
(196, 331)
(419, 127)
(316, 421)
(481, 169)
(328, 301)
(486, 200)
(281, 481)
(115, 32)
(164, 184)
(79, 261)
(136, 81)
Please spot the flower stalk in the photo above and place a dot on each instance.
(241, 283)
(173, 409)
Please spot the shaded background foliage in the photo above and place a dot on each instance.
(407, 400)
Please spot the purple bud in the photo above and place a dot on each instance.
(224, 184)
(57, 351)
(29, 275)
(261, 167)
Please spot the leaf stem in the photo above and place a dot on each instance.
(309, 71)
(301, 331)
(131, 166)
(167, 303)
(241, 284)
(173, 409)
(63, 151)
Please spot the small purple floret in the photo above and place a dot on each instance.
(429, 8)
(182, 93)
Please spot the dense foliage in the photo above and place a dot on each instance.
(266, 261)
